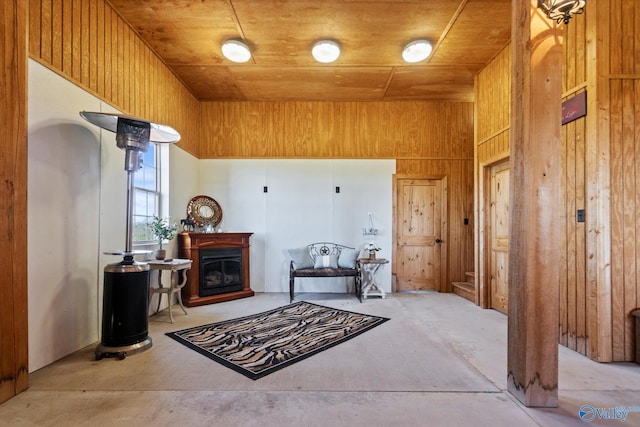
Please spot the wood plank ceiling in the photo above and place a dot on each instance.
(187, 35)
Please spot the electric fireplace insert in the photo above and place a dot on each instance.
(220, 271)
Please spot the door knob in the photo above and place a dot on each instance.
(438, 240)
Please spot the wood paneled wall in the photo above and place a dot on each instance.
(493, 114)
(573, 274)
(411, 130)
(624, 99)
(492, 127)
(426, 138)
(14, 357)
(573, 281)
(493, 111)
(88, 43)
(601, 169)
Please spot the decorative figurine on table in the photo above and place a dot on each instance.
(187, 224)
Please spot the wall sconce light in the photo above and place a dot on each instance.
(416, 51)
(325, 51)
(561, 10)
(371, 231)
(236, 51)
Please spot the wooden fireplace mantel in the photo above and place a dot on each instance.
(189, 245)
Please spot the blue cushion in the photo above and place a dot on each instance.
(301, 258)
(347, 258)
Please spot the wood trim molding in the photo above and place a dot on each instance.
(492, 136)
(483, 197)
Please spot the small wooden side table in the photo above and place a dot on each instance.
(369, 269)
(175, 265)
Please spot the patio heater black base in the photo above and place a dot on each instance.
(125, 310)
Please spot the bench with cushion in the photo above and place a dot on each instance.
(324, 259)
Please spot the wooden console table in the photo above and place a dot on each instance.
(189, 246)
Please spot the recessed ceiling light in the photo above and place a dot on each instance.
(416, 51)
(236, 51)
(325, 51)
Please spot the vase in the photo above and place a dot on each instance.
(160, 253)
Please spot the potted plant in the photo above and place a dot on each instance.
(163, 231)
(372, 248)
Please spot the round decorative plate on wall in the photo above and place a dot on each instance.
(203, 210)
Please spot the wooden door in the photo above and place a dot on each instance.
(419, 218)
(499, 237)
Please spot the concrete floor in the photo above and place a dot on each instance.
(439, 361)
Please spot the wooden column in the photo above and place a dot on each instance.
(14, 356)
(536, 206)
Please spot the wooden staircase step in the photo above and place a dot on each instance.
(466, 290)
(471, 277)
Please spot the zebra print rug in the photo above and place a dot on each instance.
(263, 343)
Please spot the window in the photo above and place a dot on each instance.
(146, 195)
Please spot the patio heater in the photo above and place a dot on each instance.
(126, 283)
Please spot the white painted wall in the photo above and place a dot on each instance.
(77, 199)
(301, 207)
(64, 174)
(183, 182)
